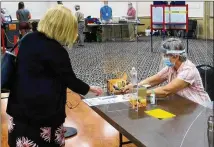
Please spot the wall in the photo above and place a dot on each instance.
(92, 8)
(196, 9)
(37, 9)
(211, 20)
(147, 21)
(211, 28)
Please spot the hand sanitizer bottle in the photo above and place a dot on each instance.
(152, 98)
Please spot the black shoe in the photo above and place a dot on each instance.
(80, 45)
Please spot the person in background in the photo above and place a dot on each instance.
(59, 2)
(181, 74)
(81, 24)
(131, 15)
(37, 100)
(23, 16)
(34, 26)
(106, 17)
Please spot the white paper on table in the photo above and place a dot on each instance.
(99, 101)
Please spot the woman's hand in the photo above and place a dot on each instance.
(96, 90)
(128, 88)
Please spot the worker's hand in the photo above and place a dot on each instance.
(128, 88)
(96, 90)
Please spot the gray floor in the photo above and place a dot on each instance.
(97, 62)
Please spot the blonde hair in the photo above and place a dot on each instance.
(60, 24)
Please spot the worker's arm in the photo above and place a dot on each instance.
(153, 81)
(169, 89)
(29, 16)
(184, 78)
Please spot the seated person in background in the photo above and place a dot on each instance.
(181, 74)
(106, 17)
(131, 14)
(34, 26)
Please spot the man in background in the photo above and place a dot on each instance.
(81, 24)
(106, 17)
(131, 15)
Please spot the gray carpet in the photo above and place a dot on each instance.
(97, 62)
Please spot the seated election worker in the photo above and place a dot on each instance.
(37, 100)
(106, 17)
(180, 73)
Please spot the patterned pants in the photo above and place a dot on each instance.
(25, 135)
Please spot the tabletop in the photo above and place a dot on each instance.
(187, 129)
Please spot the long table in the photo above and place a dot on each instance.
(187, 129)
(134, 23)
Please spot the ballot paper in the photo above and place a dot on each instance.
(105, 100)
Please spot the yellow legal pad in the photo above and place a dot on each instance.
(160, 114)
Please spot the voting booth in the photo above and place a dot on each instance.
(169, 17)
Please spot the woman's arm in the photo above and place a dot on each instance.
(153, 81)
(171, 88)
(59, 61)
(29, 14)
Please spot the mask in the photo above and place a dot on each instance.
(168, 63)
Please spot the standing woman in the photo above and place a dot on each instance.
(81, 24)
(36, 105)
(23, 16)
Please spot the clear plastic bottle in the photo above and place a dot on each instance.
(133, 80)
(152, 98)
(133, 76)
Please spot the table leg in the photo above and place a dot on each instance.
(120, 140)
(151, 41)
(121, 143)
(187, 45)
(70, 132)
(121, 32)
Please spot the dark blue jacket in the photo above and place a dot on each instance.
(44, 72)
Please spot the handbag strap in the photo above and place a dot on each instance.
(14, 47)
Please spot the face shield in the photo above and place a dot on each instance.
(166, 54)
